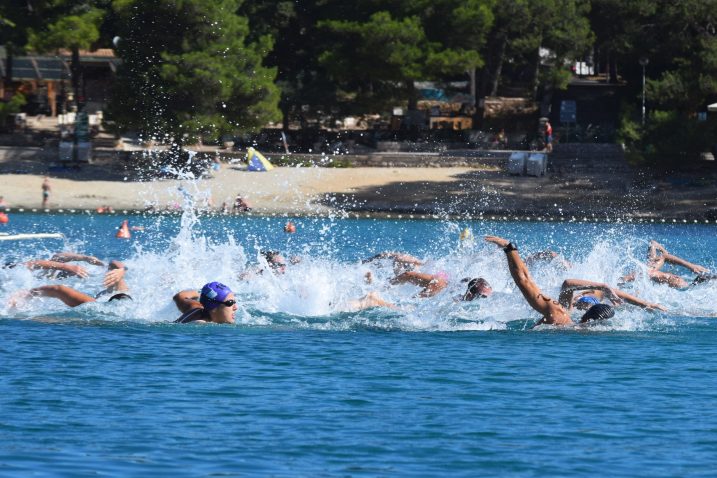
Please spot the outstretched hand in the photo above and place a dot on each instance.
(76, 270)
(498, 241)
(18, 298)
(113, 277)
(659, 307)
(613, 297)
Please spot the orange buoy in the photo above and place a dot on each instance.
(3, 218)
(123, 232)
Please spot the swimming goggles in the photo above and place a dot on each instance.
(228, 303)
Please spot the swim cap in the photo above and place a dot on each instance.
(587, 299)
(120, 296)
(213, 294)
(598, 312)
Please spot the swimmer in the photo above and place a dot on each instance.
(431, 284)
(548, 256)
(553, 313)
(658, 256)
(56, 267)
(401, 262)
(276, 262)
(214, 303)
(123, 231)
(592, 293)
(478, 288)
(370, 300)
(289, 227)
(74, 257)
(52, 269)
(114, 284)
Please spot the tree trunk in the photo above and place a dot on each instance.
(536, 73)
(612, 70)
(75, 69)
(7, 81)
(499, 57)
(412, 95)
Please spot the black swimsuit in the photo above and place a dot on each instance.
(191, 316)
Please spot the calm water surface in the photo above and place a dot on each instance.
(300, 387)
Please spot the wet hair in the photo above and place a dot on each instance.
(474, 286)
(704, 277)
(10, 265)
(271, 257)
(598, 312)
(120, 296)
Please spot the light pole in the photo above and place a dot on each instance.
(643, 61)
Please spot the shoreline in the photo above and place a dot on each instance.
(464, 192)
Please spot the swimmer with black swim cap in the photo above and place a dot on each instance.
(113, 282)
(598, 312)
(554, 312)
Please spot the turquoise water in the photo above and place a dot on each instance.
(302, 387)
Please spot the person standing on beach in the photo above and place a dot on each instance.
(46, 188)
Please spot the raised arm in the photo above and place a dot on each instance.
(70, 269)
(616, 296)
(431, 284)
(396, 256)
(71, 256)
(522, 279)
(68, 295)
(187, 300)
(114, 277)
(678, 261)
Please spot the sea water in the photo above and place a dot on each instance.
(302, 385)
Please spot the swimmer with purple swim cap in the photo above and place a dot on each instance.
(214, 303)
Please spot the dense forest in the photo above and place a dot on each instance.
(206, 68)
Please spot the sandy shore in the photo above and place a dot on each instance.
(281, 190)
(596, 193)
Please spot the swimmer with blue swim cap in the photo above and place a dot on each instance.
(214, 303)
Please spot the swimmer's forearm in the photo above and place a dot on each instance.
(580, 284)
(69, 296)
(186, 300)
(681, 262)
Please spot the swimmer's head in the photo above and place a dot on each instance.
(120, 296)
(213, 295)
(585, 302)
(598, 312)
(10, 265)
(275, 260)
(477, 288)
(704, 277)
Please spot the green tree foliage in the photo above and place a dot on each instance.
(686, 57)
(10, 107)
(375, 62)
(297, 45)
(188, 71)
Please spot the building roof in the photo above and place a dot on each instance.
(55, 67)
